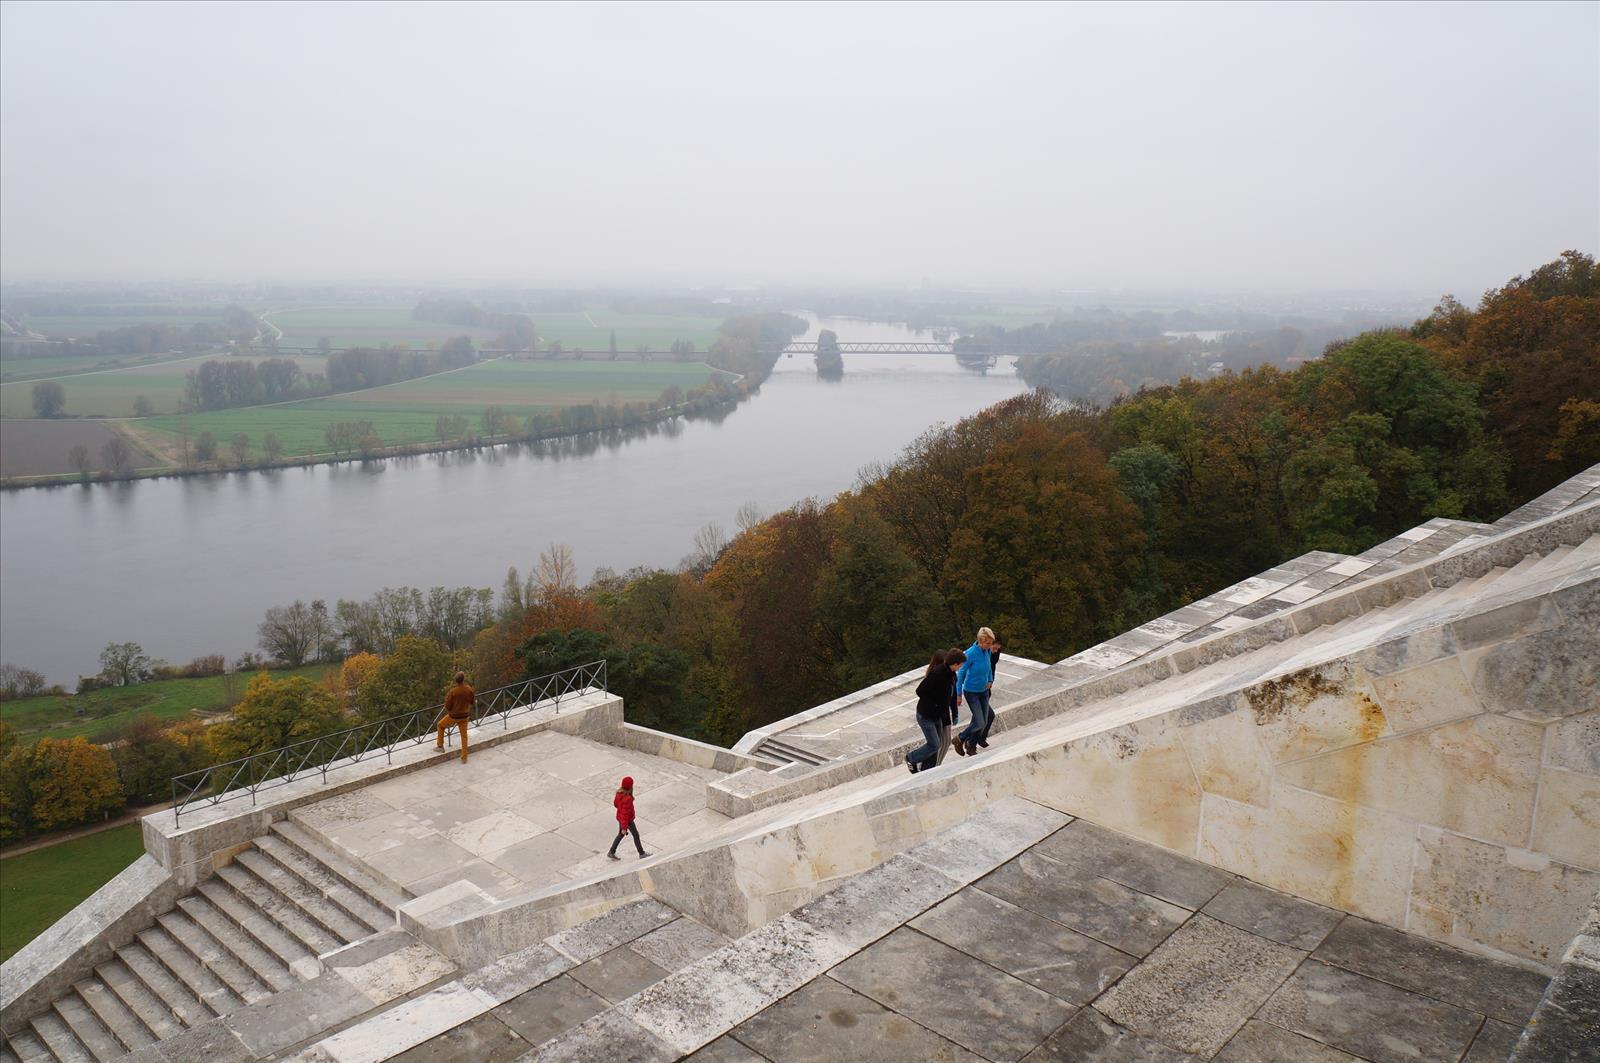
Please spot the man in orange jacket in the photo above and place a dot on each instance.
(457, 710)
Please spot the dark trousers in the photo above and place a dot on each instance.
(629, 829)
(924, 755)
(982, 717)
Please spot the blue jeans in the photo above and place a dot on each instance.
(982, 716)
(923, 755)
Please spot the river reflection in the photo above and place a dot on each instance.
(188, 566)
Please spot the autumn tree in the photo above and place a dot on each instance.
(147, 759)
(273, 713)
(205, 446)
(294, 633)
(72, 781)
(240, 444)
(414, 675)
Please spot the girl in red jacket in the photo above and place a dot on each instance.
(625, 825)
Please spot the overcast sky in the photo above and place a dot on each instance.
(1435, 147)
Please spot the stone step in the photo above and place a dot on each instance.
(175, 998)
(25, 1047)
(783, 750)
(189, 970)
(1549, 562)
(151, 1010)
(329, 916)
(86, 1029)
(58, 1037)
(382, 896)
(327, 883)
(261, 923)
(119, 1019)
(204, 946)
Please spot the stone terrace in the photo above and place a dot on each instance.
(1022, 934)
(514, 818)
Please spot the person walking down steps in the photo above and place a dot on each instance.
(625, 824)
(457, 710)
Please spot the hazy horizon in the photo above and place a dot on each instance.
(1404, 148)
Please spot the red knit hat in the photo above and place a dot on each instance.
(627, 782)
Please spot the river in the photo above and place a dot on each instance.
(187, 566)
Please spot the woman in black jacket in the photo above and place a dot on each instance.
(933, 707)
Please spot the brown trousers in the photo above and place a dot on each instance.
(461, 725)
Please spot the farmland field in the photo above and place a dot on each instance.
(110, 392)
(83, 326)
(374, 326)
(43, 368)
(406, 412)
(36, 447)
(366, 326)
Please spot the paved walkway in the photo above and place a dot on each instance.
(515, 817)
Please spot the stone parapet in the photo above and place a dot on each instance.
(676, 747)
(206, 837)
(68, 952)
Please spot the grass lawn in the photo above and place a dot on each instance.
(40, 887)
(407, 412)
(110, 393)
(109, 710)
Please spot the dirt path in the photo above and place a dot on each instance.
(82, 832)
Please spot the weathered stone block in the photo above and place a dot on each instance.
(1567, 821)
(1316, 710)
(1477, 776)
(1542, 676)
(1424, 696)
(1334, 852)
(1109, 778)
(1521, 903)
(1200, 985)
(1228, 758)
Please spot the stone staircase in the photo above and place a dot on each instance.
(256, 928)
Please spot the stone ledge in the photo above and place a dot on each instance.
(683, 750)
(68, 951)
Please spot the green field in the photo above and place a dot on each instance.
(40, 887)
(111, 393)
(407, 412)
(652, 330)
(104, 712)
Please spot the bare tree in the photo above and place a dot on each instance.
(709, 542)
(556, 573)
(291, 633)
(78, 458)
(241, 448)
(117, 456)
(749, 516)
(272, 446)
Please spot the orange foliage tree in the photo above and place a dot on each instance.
(72, 781)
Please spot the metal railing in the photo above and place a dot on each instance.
(248, 776)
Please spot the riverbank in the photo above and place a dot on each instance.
(633, 428)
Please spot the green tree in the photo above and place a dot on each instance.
(123, 663)
(273, 713)
(885, 610)
(414, 675)
(49, 399)
(830, 363)
(141, 406)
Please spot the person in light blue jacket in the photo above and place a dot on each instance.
(973, 681)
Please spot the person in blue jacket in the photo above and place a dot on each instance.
(973, 680)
